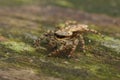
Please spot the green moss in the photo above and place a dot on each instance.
(17, 46)
(107, 41)
(95, 65)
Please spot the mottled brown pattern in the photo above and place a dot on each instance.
(65, 40)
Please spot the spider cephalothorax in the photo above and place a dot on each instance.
(65, 40)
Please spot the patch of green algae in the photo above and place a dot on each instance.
(17, 46)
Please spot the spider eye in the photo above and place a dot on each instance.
(69, 33)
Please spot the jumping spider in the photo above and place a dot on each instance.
(65, 40)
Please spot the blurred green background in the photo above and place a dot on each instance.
(109, 7)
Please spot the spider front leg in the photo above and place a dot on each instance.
(67, 23)
(82, 41)
(45, 36)
(59, 50)
(36, 42)
(95, 32)
(75, 43)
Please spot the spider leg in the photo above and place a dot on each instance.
(67, 23)
(58, 51)
(95, 32)
(75, 43)
(81, 39)
(45, 36)
(37, 42)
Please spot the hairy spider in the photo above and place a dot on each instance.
(65, 40)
